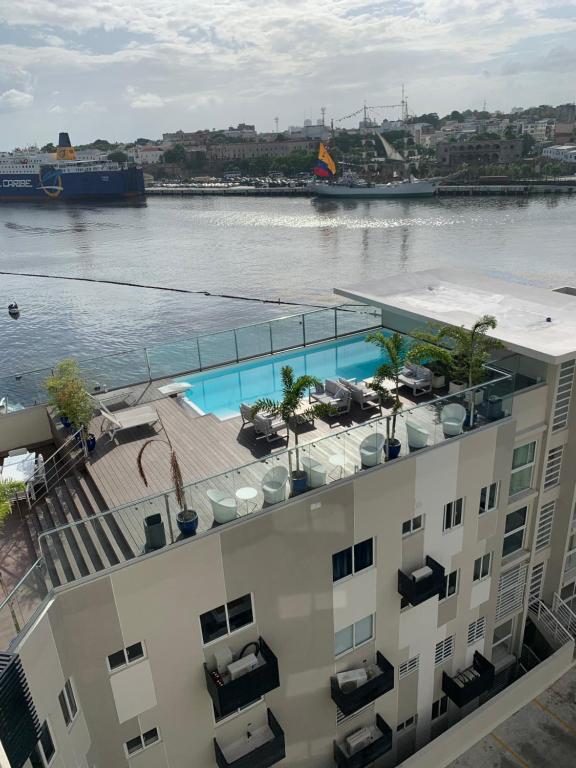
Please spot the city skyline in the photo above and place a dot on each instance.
(141, 69)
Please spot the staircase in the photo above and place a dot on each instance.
(94, 544)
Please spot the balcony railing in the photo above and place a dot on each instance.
(264, 747)
(379, 680)
(471, 682)
(364, 746)
(423, 583)
(198, 353)
(228, 695)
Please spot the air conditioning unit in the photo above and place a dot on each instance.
(358, 740)
(242, 666)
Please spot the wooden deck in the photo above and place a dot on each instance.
(207, 447)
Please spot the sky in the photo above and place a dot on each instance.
(122, 69)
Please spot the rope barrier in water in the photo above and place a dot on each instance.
(165, 288)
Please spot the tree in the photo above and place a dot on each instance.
(118, 156)
(176, 154)
(396, 351)
(48, 147)
(528, 143)
(102, 144)
(143, 142)
(7, 491)
(293, 391)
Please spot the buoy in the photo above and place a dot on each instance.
(14, 310)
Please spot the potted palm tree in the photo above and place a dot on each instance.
(7, 490)
(69, 396)
(186, 519)
(396, 351)
(292, 412)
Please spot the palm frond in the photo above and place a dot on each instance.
(266, 405)
(287, 374)
(177, 480)
(139, 461)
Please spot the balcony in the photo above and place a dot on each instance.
(470, 683)
(262, 748)
(423, 583)
(364, 746)
(355, 688)
(234, 688)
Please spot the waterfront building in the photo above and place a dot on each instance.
(565, 153)
(380, 607)
(250, 150)
(478, 152)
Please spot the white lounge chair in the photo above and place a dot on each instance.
(417, 436)
(361, 394)
(269, 426)
(246, 414)
(453, 417)
(371, 450)
(275, 484)
(418, 377)
(127, 418)
(333, 393)
(113, 396)
(224, 508)
(315, 470)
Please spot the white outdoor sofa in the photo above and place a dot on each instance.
(333, 393)
(417, 377)
(361, 394)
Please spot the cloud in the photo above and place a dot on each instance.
(13, 100)
(89, 107)
(138, 100)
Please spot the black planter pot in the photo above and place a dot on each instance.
(154, 532)
(299, 482)
(187, 522)
(393, 449)
(91, 442)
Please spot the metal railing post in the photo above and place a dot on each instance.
(148, 364)
(199, 358)
(303, 331)
(271, 342)
(167, 503)
(335, 322)
(236, 345)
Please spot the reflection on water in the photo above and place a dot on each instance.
(293, 248)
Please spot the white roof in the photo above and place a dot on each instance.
(460, 297)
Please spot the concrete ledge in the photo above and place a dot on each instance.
(20, 429)
(456, 740)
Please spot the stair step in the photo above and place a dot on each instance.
(88, 513)
(75, 547)
(61, 545)
(85, 531)
(118, 541)
(49, 552)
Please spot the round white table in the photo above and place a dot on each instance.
(246, 494)
(338, 461)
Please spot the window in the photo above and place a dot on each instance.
(453, 514)
(476, 630)
(356, 634)
(127, 655)
(227, 618)
(140, 742)
(514, 531)
(444, 650)
(482, 567)
(450, 585)
(440, 707)
(407, 667)
(522, 466)
(68, 703)
(352, 560)
(503, 635)
(44, 751)
(410, 723)
(488, 498)
(413, 525)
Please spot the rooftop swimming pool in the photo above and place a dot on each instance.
(221, 390)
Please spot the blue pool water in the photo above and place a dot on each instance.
(222, 390)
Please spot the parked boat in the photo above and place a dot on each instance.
(350, 184)
(62, 177)
(13, 309)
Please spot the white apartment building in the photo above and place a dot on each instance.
(390, 606)
(565, 153)
(146, 155)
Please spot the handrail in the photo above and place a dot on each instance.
(278, 456)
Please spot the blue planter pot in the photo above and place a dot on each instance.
(91, 442)
(299, 482)
(65, 421)
(187, 527)
(393, 449)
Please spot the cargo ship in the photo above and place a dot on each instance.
(62, 177)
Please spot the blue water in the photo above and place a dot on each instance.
(221, 391)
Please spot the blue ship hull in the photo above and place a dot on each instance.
(51, 184)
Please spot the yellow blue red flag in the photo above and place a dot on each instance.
(325, 166)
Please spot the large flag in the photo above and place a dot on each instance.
(325, 166)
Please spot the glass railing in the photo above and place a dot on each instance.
(21, 605)
(261, 484)
(189, 355)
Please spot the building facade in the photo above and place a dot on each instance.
(482, 152)
(565, 153)
(381, 606)
(251, 150)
